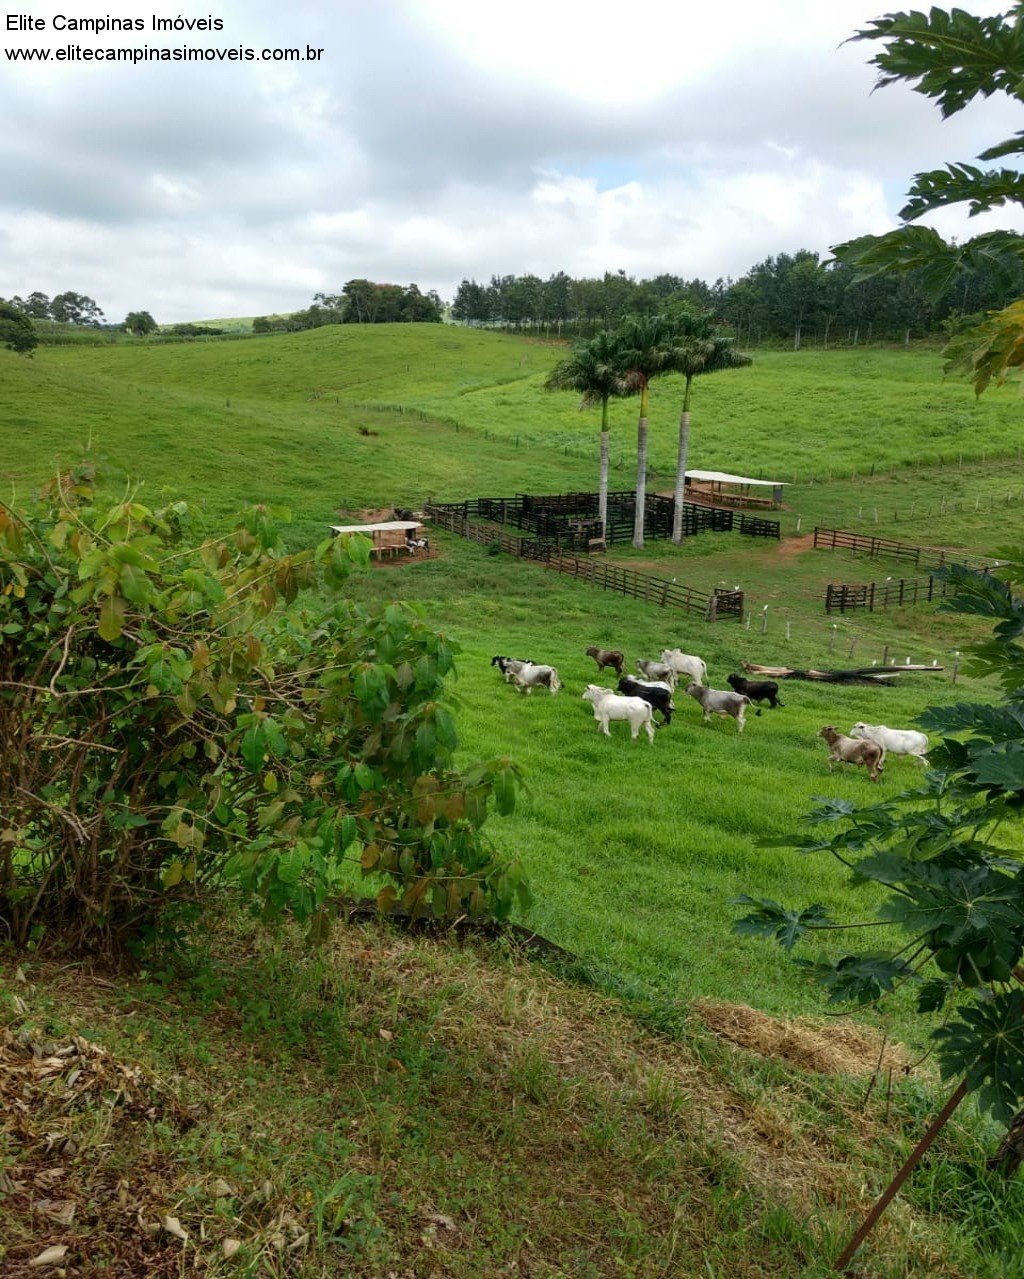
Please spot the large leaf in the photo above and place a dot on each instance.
(986, 1045)
(858, 979)
(951, 56)
(773, 921)
(980, 189)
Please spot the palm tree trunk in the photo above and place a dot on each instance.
(684, 448)
(641, 472)
(602, 495)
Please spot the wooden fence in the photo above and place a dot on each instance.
(754, 526)
(833, 539)
(845, 597)
(571, 518)
(595, 571)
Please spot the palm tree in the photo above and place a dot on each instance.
(645, 349)
(697, 348)
(593, 371)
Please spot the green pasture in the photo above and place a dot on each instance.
(634, 850)
(285, 412)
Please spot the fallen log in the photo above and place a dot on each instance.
(883, 676)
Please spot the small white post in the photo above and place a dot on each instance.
(764, 619)
(832, 637)
(787, 630)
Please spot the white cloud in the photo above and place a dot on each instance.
(438, 139)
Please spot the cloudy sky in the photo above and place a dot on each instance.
(433, 140)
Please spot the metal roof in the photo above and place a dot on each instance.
(390, 526)
(720, 477)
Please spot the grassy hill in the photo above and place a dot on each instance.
(633, 850)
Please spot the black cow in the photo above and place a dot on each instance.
(657, 694)
(765, 690)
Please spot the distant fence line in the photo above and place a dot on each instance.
(845, 597)
(833, 539)
(595, 571)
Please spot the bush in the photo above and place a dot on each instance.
(171, 721)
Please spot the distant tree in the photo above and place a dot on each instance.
(199, 330)
(593, 371)
(420, 308)
(363, 298)
(696, 348)
(75, 308)
(140, 323)
(644, 345)
(471, 305)
(36, 305)
(16, 330)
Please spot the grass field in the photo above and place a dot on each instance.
(633, 850)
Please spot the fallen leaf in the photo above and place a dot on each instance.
(386, 1035)
(173, 1227)
(62, 1211)
(221, 1189)
(229, 1247)
(49, 1257)
(22, 980)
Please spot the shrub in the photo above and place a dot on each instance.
(171, 720)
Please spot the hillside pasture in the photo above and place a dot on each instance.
(633, 850)
(791, 415)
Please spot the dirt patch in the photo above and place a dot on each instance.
(789, 547)
(834, 1049)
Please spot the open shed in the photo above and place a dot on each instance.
(390, 537)
(719, 487)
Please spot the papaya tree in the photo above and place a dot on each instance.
(955, 57)
(947, 854)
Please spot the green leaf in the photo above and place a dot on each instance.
(858, 979)
(772, 921)
(985, 1043)
(254, 746)
(111, 618)
(505, 792)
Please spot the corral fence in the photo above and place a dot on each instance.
(834, 539)
(597, 572)
(571, 519)
(845, 597)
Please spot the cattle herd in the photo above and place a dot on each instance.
(650, 690)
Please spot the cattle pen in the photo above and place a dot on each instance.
(570, 520)
(595, 572)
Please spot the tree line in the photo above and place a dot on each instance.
(360, 302)
(790, 298)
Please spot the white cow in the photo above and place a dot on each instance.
(894, 741)
(527, 676)
(685, 664)
(608, 706)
